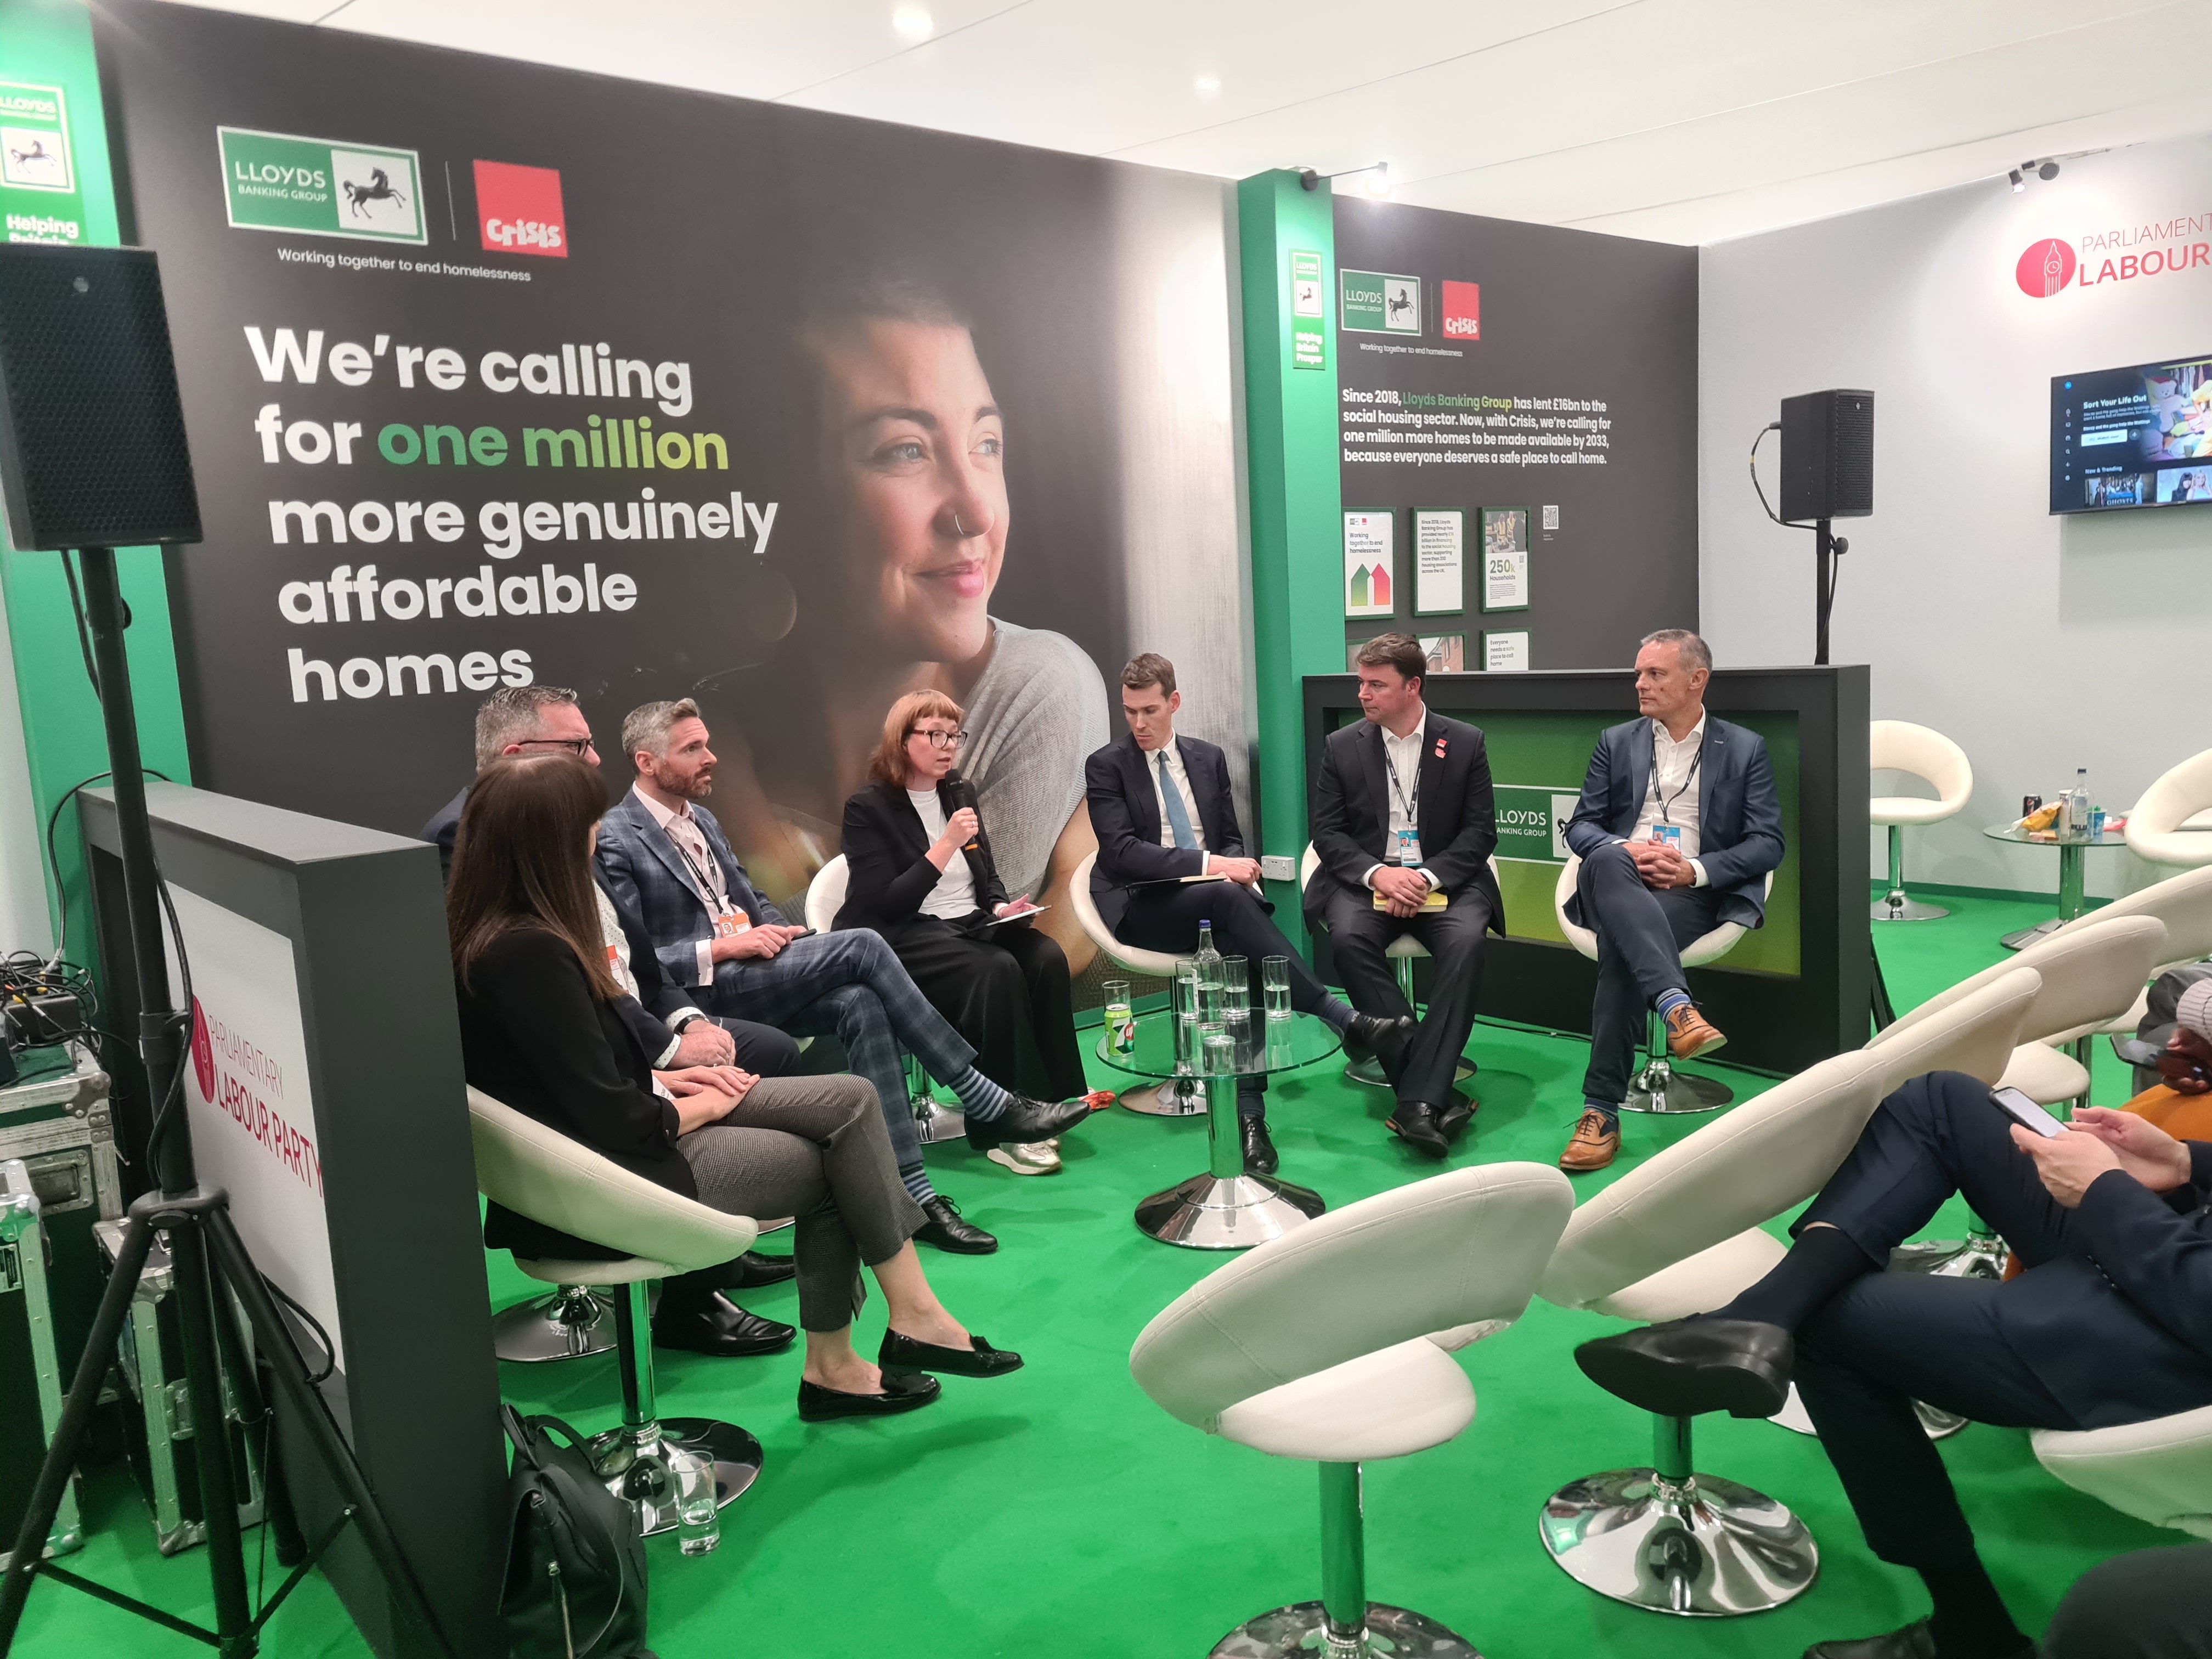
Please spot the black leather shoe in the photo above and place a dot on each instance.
(1455, 1114)
(901, 1394)
(1369, 1032)
(719, 1326)
(1688, 1366)
(947, 1231)
(902, 1355)
(1259, 1152)
(1027, 1121)
(755, 1271)
(1415, 1123)
(1915, 1641)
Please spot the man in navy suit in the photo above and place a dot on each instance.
(1678, 828)
(665, 863)
(1404, 823)
(2110, 1323)
(1161, 809)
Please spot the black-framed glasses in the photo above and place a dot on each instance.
(940, 739)
(579, 747)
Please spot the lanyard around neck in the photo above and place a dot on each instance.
(1408, 807)
(711, 891)
(1667, 803)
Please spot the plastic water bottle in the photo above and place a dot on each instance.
(2077, 807)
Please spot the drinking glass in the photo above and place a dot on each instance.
(698, 1521)
(1185, 992)
(1217, 1050)
(1236, 989)
(1275, 974)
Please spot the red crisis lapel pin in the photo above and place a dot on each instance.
(1440, 748)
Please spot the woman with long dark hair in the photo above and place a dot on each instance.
(539, 1034)
(920, 873)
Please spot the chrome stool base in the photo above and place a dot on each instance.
(1176, 1097)
(1940, 1425)
(641, 1473)
(1370, 1072)
(1226, 1212)
(1301, 1632)
(1978, 1255)
(933, 1122)
(574, 1322)
(1896, 907)
(1701, 1547)
(1661, 1090)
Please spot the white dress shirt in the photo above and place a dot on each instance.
(954, 896)
(701, 868)
(618, 943)
(1402, 756)
(1671, 797)
(1181, 778)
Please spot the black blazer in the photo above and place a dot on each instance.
(888, 872)
(1458, 813)
(533, 1037)
(1739, 816)
(1122, 787)
(647, 1013)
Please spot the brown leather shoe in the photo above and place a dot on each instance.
(1689, 1034)
(1597, 1143)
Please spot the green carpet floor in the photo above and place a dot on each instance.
(1058, 1512)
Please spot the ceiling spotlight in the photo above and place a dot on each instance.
(2047, 172)
(913, 23)
(1378, 179)
(2019, 183)
(1207, 85)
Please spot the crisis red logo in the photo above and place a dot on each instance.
(2045, 269)
(203, 1053)
(1462, 307)
(518, 210)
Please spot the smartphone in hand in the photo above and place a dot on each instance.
(2026, 1113)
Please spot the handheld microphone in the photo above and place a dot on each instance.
(963, 795)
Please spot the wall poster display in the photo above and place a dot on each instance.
(1369, 585)
(1504, 652)
(1504, 558)
(1439, 562)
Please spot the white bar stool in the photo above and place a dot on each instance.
(1402, 952)
(1901, 746)
(1176, 1097)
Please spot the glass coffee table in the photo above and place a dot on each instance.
(2073, 870)
(1225, 1208)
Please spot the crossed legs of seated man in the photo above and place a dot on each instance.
(1168, 918)
(1641, 930)
(1429, 1113)
(850, 985)
(2061, 1347)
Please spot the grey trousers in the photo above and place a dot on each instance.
(813, 1148)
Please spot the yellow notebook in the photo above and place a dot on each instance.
(1435, 900)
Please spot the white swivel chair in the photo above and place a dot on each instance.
(1168, 1099)
(1402, 952)
(2184, 903)
(1329, 1344)
(826, 898)
(1658, 1087)
(540, 1173)
(1901, 746)
(2159, 1470)
(2155, 828)
(1682, 1234)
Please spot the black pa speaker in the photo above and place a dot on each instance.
(1827, 456)
(92, 432)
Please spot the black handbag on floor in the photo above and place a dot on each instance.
(575, 1586)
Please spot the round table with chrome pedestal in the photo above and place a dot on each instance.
(2073, 871)
(1225, 1208)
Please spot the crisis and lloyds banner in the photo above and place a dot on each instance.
(498, 374)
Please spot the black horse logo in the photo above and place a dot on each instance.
(1400, 301)
(37, 152)
(379, 188)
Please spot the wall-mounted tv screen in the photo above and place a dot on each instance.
(2131, 437)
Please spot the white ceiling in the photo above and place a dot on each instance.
(1681, 120)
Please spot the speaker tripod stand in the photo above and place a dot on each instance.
(207, 1254)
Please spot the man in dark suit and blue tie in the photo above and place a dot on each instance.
(1404, 823)
(665, 863)
(1161, 809)
(1678, 828)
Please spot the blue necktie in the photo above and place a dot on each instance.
(1178, 819)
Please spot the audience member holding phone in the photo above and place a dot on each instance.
(539, 1033)
(921, 874)
(2109, 1323)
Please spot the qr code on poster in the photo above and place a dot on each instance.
(1551, 518)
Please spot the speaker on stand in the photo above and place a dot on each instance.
(1827, 473)
(93, 457)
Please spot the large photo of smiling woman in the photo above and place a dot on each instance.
(899, 532)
